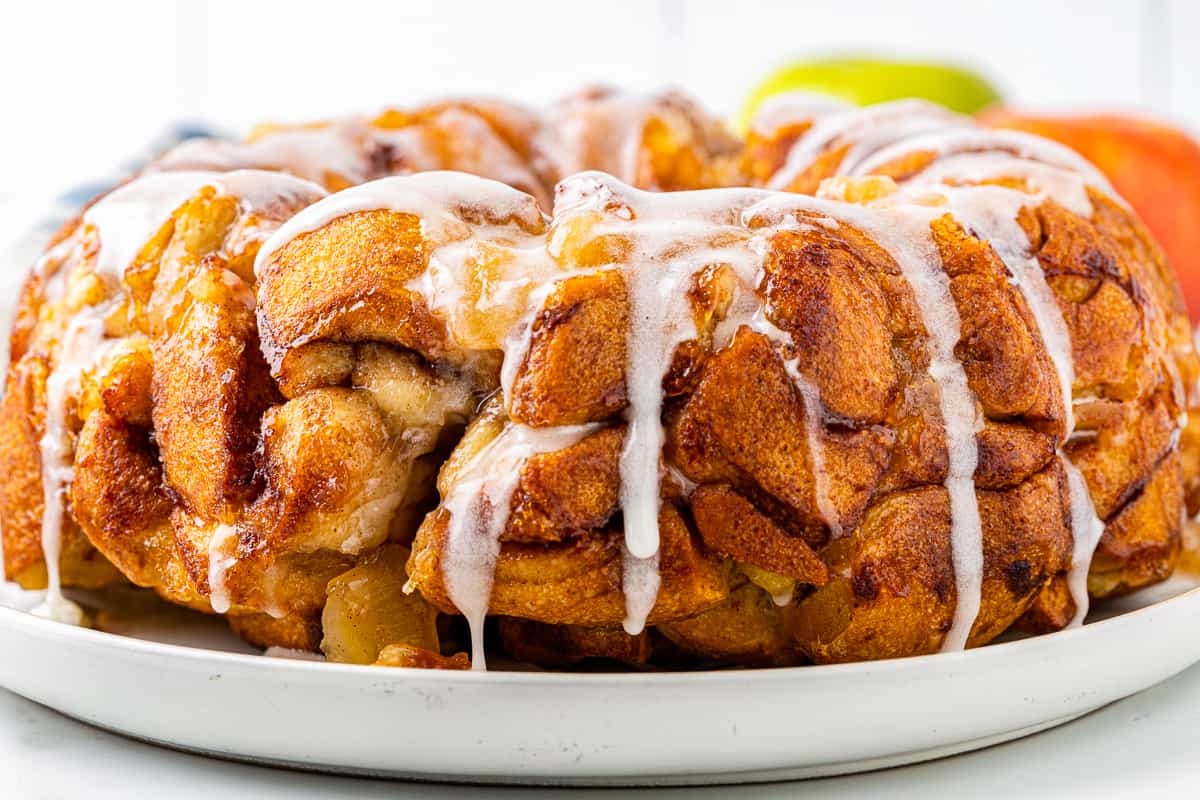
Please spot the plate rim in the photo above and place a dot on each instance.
(50, 629)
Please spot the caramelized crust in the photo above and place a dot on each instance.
(128, 519)
(21, 423)
(747, 628)
(360, 294)
(731, 525)
(588, 314)
(210, 387)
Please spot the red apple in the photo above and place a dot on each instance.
(1154, 166)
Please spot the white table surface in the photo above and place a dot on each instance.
(1147, 746)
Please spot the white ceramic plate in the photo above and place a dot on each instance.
(604, 729)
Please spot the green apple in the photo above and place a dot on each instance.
(864, 81)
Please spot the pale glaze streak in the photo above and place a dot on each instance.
(660, 321)
(814, 425)
(479, 506)
(908, 239)
(222, 556)
(77, 350)
(973, 154)
(864, 130)
(341, 149)
(126, 218)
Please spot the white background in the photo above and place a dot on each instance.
(86, 84)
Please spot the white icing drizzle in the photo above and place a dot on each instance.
(77, 350)
(354, 150)
(54, 267)
(790, 108)
(902, 227)
(602, 133)
(660, 320)
(264, 192)
(686, 485)
(343, 148)
(222, 556)
(56, 472)
(479, 505)
(748, 311)
(433, 197)
(460, 137)
(640, 583)
(479, 502)
(1046, 179)
(814, 430)
(519, 340)
(906, 236)
(1086, 530)
(990, 213)
(672, 237)
(867, 130)
(977, 154)
(127, 217)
